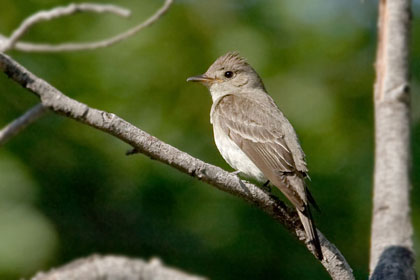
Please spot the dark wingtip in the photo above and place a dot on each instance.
(315, 242)
(312, 200)
(318, 250)
(313, 234)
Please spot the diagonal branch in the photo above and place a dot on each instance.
(6, 44)
(67, 47)
(149, 145)
(22, 122)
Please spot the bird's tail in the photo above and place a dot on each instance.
(311, 233)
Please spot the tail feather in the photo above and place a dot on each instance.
(310, 230)
(311, 199)
(293, 187)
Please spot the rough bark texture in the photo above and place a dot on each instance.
(391, 223)
(53, 99)
(114, 268)
(395, 263)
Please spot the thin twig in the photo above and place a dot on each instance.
(60, 12)
(20, 123)
(12, 43)
(67, 47)
(334, 262)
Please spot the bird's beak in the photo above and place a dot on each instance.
(201, 79)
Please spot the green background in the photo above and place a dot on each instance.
(68, 191)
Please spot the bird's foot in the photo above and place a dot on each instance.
(266, 187)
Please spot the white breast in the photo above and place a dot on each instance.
(235, 157)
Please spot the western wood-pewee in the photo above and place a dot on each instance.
(254, 136)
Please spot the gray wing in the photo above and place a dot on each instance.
(260, 133)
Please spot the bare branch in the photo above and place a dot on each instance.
(67, 47)
(20, 123)
(12, 43)
(143, 142)
(114, 267)
(60, 12)
(391, 222)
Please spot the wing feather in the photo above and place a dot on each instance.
(265, 142)
(250, 127)
(246, 120)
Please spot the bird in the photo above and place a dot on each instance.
(255, 138)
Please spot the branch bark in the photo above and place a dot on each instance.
(114, 267)
(60, 12)
(70, 47)
(391, 222)
(334, 262)
(21, 123)
(6, 44)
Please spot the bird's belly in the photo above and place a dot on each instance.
(235, 157)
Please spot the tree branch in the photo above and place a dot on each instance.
(391, 222)
(114, 267)
(6, 44)
(149, 145)
(67, 47)
(22, 122)
(56, 13)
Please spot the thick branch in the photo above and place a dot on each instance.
(20, 123)
(391, 222)
(65, 47)
(114, 267)
(50, 97)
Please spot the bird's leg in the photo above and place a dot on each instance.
(266, 187)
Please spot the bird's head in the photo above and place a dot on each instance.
(229, 73)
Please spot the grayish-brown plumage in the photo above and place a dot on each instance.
(254, 136)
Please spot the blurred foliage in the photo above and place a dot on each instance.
(67, 190)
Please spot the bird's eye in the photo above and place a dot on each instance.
(228, 74)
